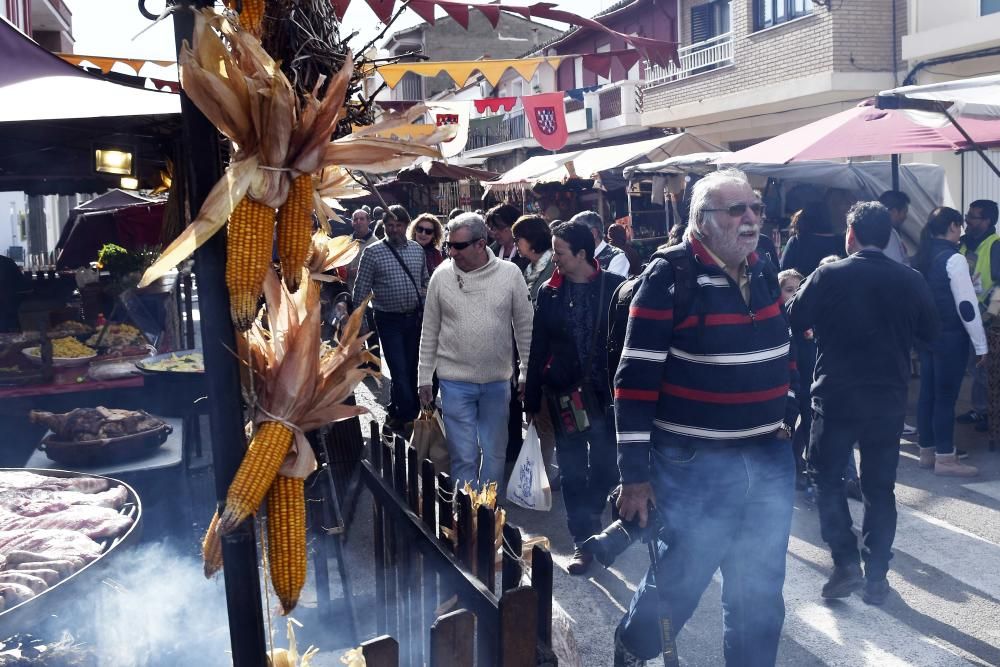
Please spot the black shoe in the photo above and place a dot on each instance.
(970, 417)
(845, 580)
(961, 454)
(983, 425)
(624, 657)
(580, 563)
(876, 591)
(853, 488)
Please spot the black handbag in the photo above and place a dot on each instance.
(573, 410)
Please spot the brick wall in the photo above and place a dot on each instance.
(826, 40)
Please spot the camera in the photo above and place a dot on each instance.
(607, 545)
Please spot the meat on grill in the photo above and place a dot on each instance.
(48, 575)
(94, 522)
(84, 424)
(14, 480)
(51, 544)
(37, 584)
(35, 502)
(63, 568)
(15, 593)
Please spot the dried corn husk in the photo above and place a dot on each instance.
(331, 253)
(354, 657)
(486, 496)
(290, 657)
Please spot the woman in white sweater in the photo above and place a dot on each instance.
(473, 301)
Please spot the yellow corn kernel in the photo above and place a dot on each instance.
(295, 230)
(211, 548)
(248, 258)
(286, 539)
(256, 473)
(251, 16)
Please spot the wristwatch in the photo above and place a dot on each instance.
(786, 429)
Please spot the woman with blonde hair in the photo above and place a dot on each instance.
(427, 231)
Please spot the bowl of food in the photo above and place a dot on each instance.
(175, 382)
(66, 351)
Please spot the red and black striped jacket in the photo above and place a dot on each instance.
(727, 372)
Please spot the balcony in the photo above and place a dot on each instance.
(510, 128)
(695, 59)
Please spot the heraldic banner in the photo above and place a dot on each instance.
(452, 113)
(547, 116)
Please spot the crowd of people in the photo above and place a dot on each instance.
(743, 375)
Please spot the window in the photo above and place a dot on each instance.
(768, 13)
(709, 20)
(989, 7)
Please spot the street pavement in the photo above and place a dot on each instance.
(945, 608)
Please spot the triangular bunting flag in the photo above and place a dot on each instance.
(382, 8)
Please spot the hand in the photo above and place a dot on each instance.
(783, 433)
(520, 391)
(426, 395)
(981, 361)
(634, 500)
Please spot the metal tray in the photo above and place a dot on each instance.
(107, 450)
(31, 613)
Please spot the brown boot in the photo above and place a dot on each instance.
(926, 457)
(580, 563)
(948, 465)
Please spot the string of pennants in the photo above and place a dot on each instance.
(106, 64)
(654, 50)
(460, 71)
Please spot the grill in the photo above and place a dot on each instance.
(31, 612)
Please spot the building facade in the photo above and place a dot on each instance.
(48, 22)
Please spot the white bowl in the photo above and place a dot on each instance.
(35, 355)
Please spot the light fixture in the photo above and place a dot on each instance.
(114, 160)
(130, 183)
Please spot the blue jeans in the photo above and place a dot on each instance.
(942, 368)
(475, 420)
(399, 334)
(588, 468)
(721, 507)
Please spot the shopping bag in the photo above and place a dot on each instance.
(428, 439)
(529, 485)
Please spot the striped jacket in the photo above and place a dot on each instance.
(727, 372)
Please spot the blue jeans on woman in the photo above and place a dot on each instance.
(942, 368)
(475, 421)
(723, 506)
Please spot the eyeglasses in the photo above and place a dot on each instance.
(736, 210)
(424, 230)
(974, 217)
(460, 245)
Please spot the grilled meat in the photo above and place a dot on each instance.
(95, 423)
(37, 584)
(94, 522)
(19, 480)
(53, 544)
(16, 559)
(36, 502)
(15, 593)
(63, 568)
(49, 576)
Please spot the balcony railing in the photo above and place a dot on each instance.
(695, 59)
(509, 129)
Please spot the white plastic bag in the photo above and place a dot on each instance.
(529, 485)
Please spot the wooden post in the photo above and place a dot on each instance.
(451, 639)
(465, 547)
(412, 479)
(512, 570)
(429, 589)
(446, 509)
(518, 620)
(381, 652)
(541, 582)
(486, 553)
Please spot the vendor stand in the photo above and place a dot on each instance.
(444, 186)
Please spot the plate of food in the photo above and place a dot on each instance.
(118, 338)
(66, 351)
(174, 362)
(100, 436)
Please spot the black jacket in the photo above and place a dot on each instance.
(867, 311)
(554, 362)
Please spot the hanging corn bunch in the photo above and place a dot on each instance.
(286, 539)
(211, 548)
(295, 230)
(251, 15)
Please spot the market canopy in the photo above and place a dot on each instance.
(523, 175)
(865, 130)
(978, 97)
(436, 171)
(692, 163)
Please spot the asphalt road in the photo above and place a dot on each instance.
(945, 608)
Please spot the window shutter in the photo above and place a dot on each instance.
(702, 23)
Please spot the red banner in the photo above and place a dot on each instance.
(547, 116)
(494, 104)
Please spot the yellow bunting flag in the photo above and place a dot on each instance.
(105, 63)
(461, 70)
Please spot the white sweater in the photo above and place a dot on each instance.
(467, 325)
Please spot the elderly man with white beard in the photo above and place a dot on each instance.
(704, 408)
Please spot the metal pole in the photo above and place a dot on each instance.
(975, 145)
(203, 167)
(895, 171)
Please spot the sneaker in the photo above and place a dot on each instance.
(876, 591)
(853, 489)
(843, 581)
(961, 454)
(948, 465)
(926, 457)
(908, 429)
(580, 563)
(624, 657)
(970, 417)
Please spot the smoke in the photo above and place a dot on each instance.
(154, 607)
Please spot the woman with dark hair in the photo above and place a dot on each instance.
(500, 220)
(942, 364)
(812, 240)
(427, 231)
(534, 242)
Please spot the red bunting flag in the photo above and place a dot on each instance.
(546, 115)
(494, 104)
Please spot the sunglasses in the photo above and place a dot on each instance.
(736, 210)
(461, 245)
(424, 230)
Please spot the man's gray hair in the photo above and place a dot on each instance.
(360, 210)
(703, 195)
(591, 220)
(471, 221)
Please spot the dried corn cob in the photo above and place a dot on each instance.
(248, 256)
(295, 231)
(251, 16)
(211, 548)
(256, 473)
(286, 539)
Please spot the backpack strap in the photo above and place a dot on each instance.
(685, 279)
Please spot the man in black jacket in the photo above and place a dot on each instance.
(866, 312)
(569, 350)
